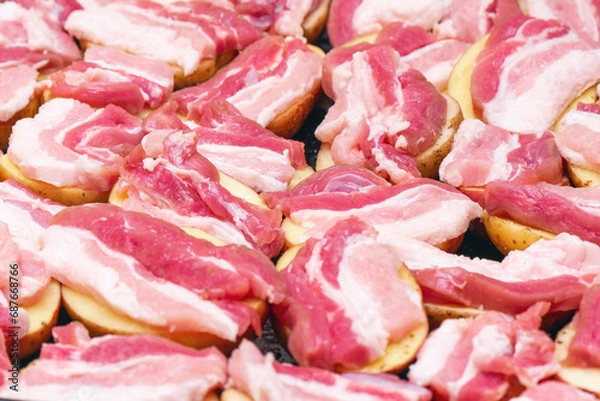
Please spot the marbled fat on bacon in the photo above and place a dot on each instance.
(484, 153)
(383, 129)
(111, 76)
(583, 16)
(181, 34)
(477, 358)
(17, 88)
(422, 208)
(167, 178)
(584, 350)
(523, 57)
(58, 10)
(346, 301)
(68, 143)
(263, 379)
(548, 207)
(556, 271)
(266, 79)
(28, 36)
(242, 148)
(579, 141)
(551, 390)
(141, 367)
(214, 272)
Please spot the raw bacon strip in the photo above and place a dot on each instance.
(239, 147)
(556, 271)
(548, 207)
(345, 299)
(477, 358)
(111, 76)
(70, 144)
(584, 350)
(381, 128)
(129, 288)
(263, 379)
(484, 153)
(120, 367)
(17, 88)
(224, 272)
(415, 209)
(582, 16)
(579, 141)
(181, 34)
(28, 36)
(521, 60)
(263, 81)
(551, 390)
(23, 218)
(167, 178)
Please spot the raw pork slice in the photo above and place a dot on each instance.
(17, 88)
(551, 390)
(584, 349)
(346, 300)
(263, 379)
(579, 141)
(140, 367)
(583, 16)
(477, 358)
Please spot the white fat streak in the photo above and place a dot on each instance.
(447, 220)
(24, 230)
(489, 343)
(588, 119)
(372, 15)
(62, 250)
(19, 98)
(501, 168)
(534, 111)
(111, 28)
(259, 168)
(76, 78)
(584, 11)
(436, 351)
(386, 165)
(299, 78)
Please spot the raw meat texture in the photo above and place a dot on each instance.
(111, 76)
(477, 358)
(584, 350)
(29, 36)
(384, 116)
(548, 207)
(484, 153)
(68, 143)
(522, 58)
(551, 390)
(182, 34)
(346, 300)
(141, 367)
(58, 10)
(579, 141)
(263, 379)
(421, 208)
(556, 271)
(17, 88)
(582, 16)
(167, 178)
(265, 80)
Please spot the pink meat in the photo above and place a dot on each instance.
(342, 314)
(522, 59)
(70, 144)
(557, 271)
(582, 16)
(478, 357)
(170, 179)
(548, 207)
(17, 88)
(111, 76)
(263, 379)
(414, 208)
(116, 367)
(584, 350)
(483, 153)
(259, 81)
(30, 35)
(58, 10)
(364, 126)
(226, 272)
(551, 390)
(579, 142)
